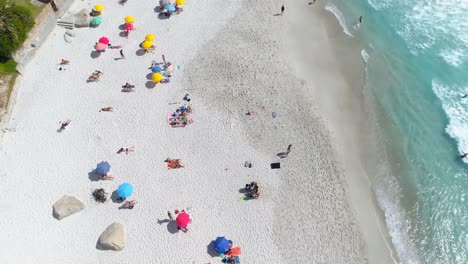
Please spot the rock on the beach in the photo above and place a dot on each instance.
(113, 237)
(82, 18)
(70, 33)
(68, 38)
(67, 205)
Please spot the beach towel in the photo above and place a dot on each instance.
(275, 165)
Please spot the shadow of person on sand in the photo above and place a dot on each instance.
(150, 84)
(282, 155)
(210, 249)
(277, 15)
(94, 176)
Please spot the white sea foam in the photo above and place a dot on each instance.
(453, 57)
(456, 111)
(388, 193)
(380, 4)
(365, 56)
(434, 25)
(341, 19)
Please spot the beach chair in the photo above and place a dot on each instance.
(235, 261)
(234, 252)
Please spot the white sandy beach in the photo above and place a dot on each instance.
(234, 57)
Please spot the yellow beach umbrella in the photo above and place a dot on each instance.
(129, 19)
(99, 8)
(146, 44)
(156, 77)
(150, 37)
(180, 2)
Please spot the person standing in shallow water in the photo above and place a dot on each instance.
(360, 19)
(282, 9)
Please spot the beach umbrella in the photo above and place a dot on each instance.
(150, 37)
(99, 8)
(221, 244)
(128, 26)
(157, 77)
(125, 190)
(170, 8)
(101, 46)
(104, 40)
(180, 2)
(103, 167)
(182, 220)
(129, 19)
(156, 69)
(96, 20)
(146, 44)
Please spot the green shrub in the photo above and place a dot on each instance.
(15, 23)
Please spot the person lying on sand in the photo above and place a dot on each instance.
(106, 109)
(174, 163)
(126, 150)
(130, 204)
(64, 62)
(107, 177)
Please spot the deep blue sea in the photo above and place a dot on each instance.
(417, 72)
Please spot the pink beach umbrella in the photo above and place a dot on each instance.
(101, 47)
(129, 26)
(104, 40)
(182, 220)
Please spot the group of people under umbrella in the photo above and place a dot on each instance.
(227, 251)
(124, 190)
(169, 8)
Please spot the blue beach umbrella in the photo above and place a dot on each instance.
(125, 190)
(156, 69)
(221, 244)
(170, 8)
(103, 167)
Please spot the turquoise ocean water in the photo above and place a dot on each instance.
(417, 72)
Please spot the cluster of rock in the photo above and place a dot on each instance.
(112, 238)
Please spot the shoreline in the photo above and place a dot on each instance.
(350, 123)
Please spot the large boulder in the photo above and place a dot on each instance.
(113, 237)
(82, 18)
(67, 205)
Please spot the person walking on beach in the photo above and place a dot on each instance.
(282, 9)
(64, 124)
(121, 54)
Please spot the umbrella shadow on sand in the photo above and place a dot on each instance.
(140, 52)
(150, 84)
(115, 197)
(149, 75)
(158, 9)
(94, 54)
(123, 34)
(122, 27)
(210, 249)
(94, 176)
(171, 225)
(163, 16)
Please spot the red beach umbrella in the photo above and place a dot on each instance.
(183, 219)
(128, 26)
(104, 40)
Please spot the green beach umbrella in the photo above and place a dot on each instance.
(96, 21)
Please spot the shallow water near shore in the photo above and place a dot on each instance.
(415, 53)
